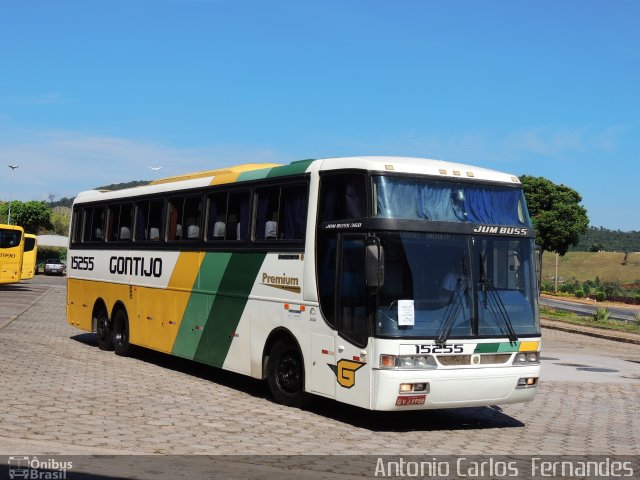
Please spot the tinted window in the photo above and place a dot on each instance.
(281, 212)
(342, 197)
(228, 216)
(149, 223)
(184, 219)
(93, 225)
(119, 220)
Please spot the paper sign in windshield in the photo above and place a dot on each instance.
(406, 313)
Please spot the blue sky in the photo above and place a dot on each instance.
(94, 91)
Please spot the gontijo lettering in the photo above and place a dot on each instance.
(140, 266)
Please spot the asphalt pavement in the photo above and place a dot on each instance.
(586, 307)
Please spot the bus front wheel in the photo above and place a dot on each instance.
(285, 374)
(121, 343)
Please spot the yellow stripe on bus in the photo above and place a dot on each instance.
(230, 175)
(182, 283)
(529, 346)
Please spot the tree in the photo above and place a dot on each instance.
(33, 216)
(60, 219)
(556, 213)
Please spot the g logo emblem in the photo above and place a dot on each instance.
(475, 359)
(345, 371)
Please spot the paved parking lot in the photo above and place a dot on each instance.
(63, 395)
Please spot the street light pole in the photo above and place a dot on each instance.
(12, 167)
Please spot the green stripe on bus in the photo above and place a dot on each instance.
(293, 168)
(253, 175)
(227, 307)
(497, 347)
(199, 306)
(296, 167)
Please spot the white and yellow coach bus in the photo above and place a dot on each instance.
(11, 251)
(384, 282)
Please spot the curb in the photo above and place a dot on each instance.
(613, 335)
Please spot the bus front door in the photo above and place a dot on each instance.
(351, 369)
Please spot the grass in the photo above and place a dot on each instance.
(570, 317)
(589, 265)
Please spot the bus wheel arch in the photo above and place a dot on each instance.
(102, 325)
(284, 369)
(120, 327)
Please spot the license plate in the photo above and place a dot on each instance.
(410, 400)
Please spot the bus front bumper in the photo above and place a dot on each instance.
(468, 387)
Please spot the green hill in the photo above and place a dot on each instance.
(582, 266)
(599, 238)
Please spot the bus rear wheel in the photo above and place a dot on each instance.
(103, 331)
(121, 343)
(285, 375)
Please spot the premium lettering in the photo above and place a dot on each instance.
(282, 282)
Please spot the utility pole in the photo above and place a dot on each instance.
(12, 167)
(556, 287)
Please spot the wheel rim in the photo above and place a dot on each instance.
(289, 374)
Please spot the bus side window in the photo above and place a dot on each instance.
(174, 226)
(281, 213)
(268, 201)
(184, 219)
(216, 216)
(154, 220)
(192, 218)
(149, 221)
(93, 224)
(119, 220)
(293, 211)
(342, 197)
(76, 225)
(142, 209)
(238, 216)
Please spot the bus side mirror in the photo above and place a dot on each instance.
(374, 266)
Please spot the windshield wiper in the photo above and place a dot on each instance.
(453, 310)
(494, 303)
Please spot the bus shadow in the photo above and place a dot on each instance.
(202, 371)
(471, 418)
(16, 287)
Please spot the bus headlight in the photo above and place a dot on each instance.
(407, 361)
(526, 358)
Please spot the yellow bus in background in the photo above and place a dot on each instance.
(11, 250)
(29, 256)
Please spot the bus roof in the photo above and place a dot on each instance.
(256, 171)
(5, 226)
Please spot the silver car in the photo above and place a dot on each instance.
(53, 266)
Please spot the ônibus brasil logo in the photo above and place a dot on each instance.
(35, 469)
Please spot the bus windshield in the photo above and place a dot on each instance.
(426, 199)
(456, 286)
